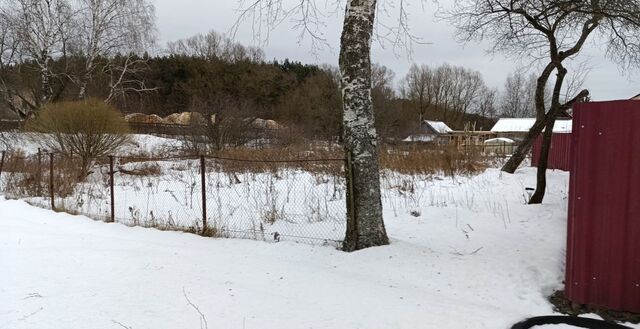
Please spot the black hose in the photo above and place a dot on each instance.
(570, 320)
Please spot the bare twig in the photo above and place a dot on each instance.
(121, 325)
(458, 253)
(203, 319)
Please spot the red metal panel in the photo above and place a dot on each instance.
(559, 154)
(603, 243)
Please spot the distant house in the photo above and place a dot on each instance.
(431, 131)
(517, 128)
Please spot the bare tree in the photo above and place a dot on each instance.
(448, 91)
(418, 85)
(575, 81)
(42, 30)
(465, 90)
(214, 45)
(550, 32)
(383, 97)
(123, 72)
(518, 97)
(92, 32)
(105, 28)
(8, 59)
(487, 104)
(208, 46)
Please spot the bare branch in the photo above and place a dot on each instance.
(391, 27)
(203, 319)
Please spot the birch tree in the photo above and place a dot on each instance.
(106, 28)
(42, 29)
(8, 59)
(94, 33)
(365, 225)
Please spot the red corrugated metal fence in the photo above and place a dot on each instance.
(603, 245)
(559, 154)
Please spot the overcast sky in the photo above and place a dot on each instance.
(183, 18)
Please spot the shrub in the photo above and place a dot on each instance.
(88, 128)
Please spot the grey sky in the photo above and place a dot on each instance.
(184, 18)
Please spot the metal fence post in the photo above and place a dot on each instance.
(51, 193)
(39, 174)
(204, 194)
(351, 200)
(2, 162)
(113, 215)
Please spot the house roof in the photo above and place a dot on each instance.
(563, 126)
(439, 126)
(636, 97)
(512, 125)
(499, 140)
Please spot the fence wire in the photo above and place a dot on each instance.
(300, 200)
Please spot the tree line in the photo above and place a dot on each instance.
(211, 74)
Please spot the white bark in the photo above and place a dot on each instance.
(41, 28)
(365, 225)
(110, 27)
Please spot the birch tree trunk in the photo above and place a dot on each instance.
(45, 79)
(365, 225)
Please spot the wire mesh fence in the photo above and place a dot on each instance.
(298, 200)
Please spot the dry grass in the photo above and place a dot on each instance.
(316, 159)
(29, 175)
(424, 159)
(144, 169)
(409, 159)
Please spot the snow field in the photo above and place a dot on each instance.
(466, 252)
(463, 263)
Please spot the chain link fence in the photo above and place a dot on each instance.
(300, 200)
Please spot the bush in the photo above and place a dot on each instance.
(88, 129)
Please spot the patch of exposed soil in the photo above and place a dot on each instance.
(563, 305)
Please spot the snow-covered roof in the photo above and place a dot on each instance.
(439, 126)
(563, 126)
(420, 138)
(513, 125)
(510, 125)
(499, 140)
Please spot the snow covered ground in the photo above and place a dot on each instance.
(140, 144)
(465, 253)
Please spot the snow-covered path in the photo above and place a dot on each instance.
(62, 271)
